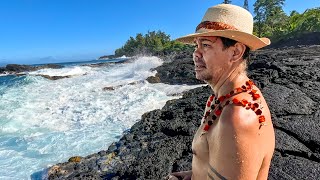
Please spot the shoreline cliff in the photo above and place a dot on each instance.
(161, 142)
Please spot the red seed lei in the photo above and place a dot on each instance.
(215, 104)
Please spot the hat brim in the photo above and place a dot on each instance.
(252, 41)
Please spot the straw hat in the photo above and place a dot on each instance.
(228, 21)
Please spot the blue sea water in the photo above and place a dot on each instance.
(44, 122)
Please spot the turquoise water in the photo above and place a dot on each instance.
(44, 122)
(76, 63)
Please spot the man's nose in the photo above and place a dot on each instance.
(197, 54)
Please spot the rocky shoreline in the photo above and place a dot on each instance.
(23, 70)
(17, 68)
(161, 142)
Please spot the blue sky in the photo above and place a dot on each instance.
(42, 31)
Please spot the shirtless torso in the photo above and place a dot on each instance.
(234, 147)
(232, 144)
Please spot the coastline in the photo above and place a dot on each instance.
(23, 69)
(74, 116)
(161, 142)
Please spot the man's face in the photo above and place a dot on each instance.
(211, 59)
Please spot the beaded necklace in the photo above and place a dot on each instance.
(215, 105)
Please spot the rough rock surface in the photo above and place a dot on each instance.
(180, 71)
(305, 39)
(16, 68)
(161, 142)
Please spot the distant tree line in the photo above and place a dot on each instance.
(153, 43)
(269, 21)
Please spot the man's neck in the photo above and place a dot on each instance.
(227, 84)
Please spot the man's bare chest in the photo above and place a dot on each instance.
(200, 143)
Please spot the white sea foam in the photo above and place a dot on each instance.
(4, 74)
(43, 122)
(68, 71)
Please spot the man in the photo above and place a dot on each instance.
(236, 138)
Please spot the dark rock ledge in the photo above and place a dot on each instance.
(22, 70)
(17, 68)
(161, 142)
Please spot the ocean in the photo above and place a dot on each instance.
(44, 122)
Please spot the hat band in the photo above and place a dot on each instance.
(214, 26)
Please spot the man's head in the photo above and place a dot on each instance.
(223, 38)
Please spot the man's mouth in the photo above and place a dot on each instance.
(199, 67)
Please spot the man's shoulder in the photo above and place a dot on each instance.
(235, 117)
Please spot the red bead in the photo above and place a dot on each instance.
(255, 96)
(221, 98)
(206, 127)
(262, 119)
(238, 89)
(244, 102)
(249, 83)
(208, 103)
(253, 91)
(218, 112)
(235, 101)
(258, 112)
(228, 96)
(211, 98)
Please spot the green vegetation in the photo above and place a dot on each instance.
(272, 22)
(153, 43)
(246, 5)
(269, 16)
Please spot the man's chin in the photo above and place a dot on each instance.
(201, 77)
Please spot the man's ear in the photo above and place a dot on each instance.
(238, 50)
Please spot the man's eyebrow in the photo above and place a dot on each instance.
(204, 39)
